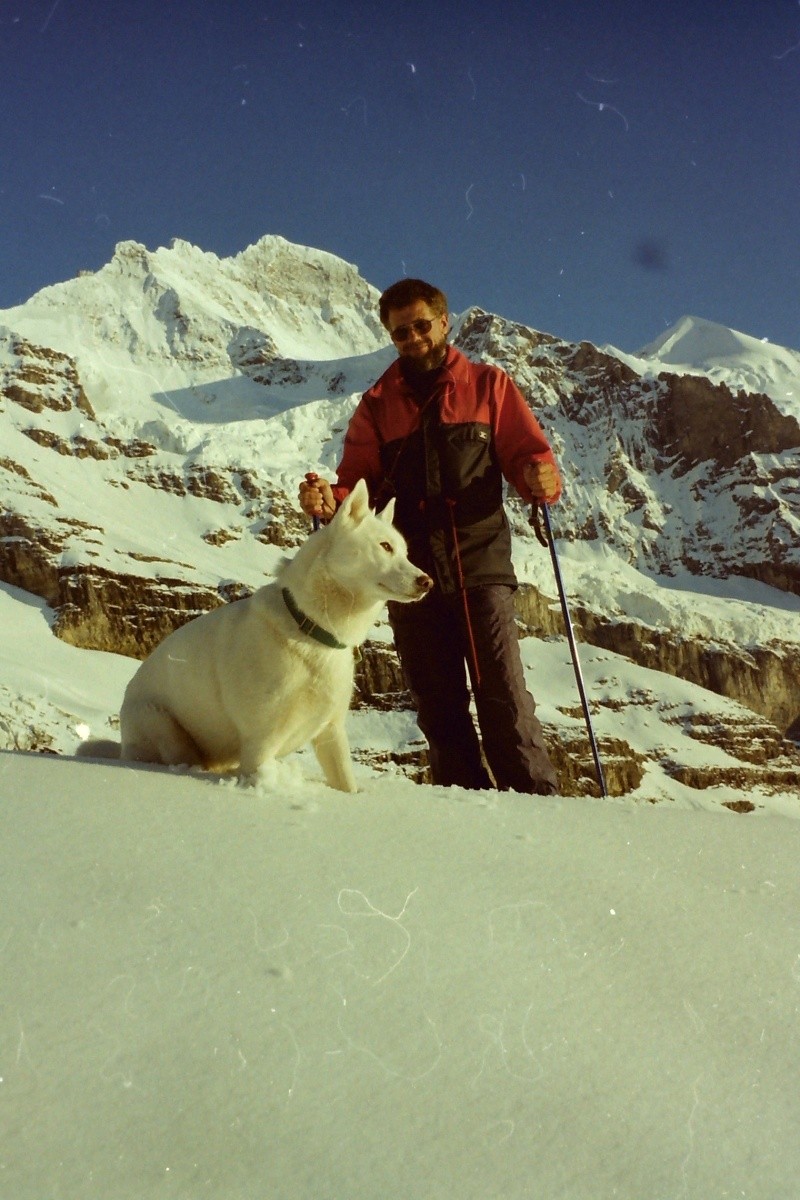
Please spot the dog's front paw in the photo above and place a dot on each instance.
(247, 779)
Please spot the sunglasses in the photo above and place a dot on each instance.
(403, 332)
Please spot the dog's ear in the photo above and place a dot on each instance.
(387, 514)
(355, 506)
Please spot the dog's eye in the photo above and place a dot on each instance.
(388, 547)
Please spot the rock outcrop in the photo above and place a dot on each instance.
(763, 678)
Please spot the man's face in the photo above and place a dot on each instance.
(422, 349)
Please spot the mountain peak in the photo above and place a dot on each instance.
(696, 341)
(694, 345)
(195, 304)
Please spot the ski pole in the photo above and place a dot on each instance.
(312, 477)
(549, 541)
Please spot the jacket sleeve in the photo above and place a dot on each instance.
(518, 437)
(360, 453)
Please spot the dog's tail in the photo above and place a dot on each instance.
(98, 748)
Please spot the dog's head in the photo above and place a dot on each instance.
(371, 554)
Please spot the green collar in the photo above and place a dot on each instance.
(308, 626)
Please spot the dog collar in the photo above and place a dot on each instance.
(308, 626)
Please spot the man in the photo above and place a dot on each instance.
(439, 432)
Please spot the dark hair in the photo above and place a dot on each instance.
(408, 291)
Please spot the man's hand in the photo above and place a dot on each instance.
(316, 499)
(544, 481)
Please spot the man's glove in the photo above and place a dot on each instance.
(544, 481)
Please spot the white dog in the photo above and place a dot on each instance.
(258, 678)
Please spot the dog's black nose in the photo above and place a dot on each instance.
(424, 583)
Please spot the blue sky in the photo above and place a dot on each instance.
(593, 169)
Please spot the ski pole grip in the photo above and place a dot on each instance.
(311, 478)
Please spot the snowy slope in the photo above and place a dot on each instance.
(292, 994)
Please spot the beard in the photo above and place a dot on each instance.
(420, 364)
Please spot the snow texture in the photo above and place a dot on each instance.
(289, 993)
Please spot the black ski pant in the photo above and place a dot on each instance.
(435, 639)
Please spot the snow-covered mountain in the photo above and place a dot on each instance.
(697, 347)
(158, 414)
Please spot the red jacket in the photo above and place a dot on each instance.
(444, 460)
